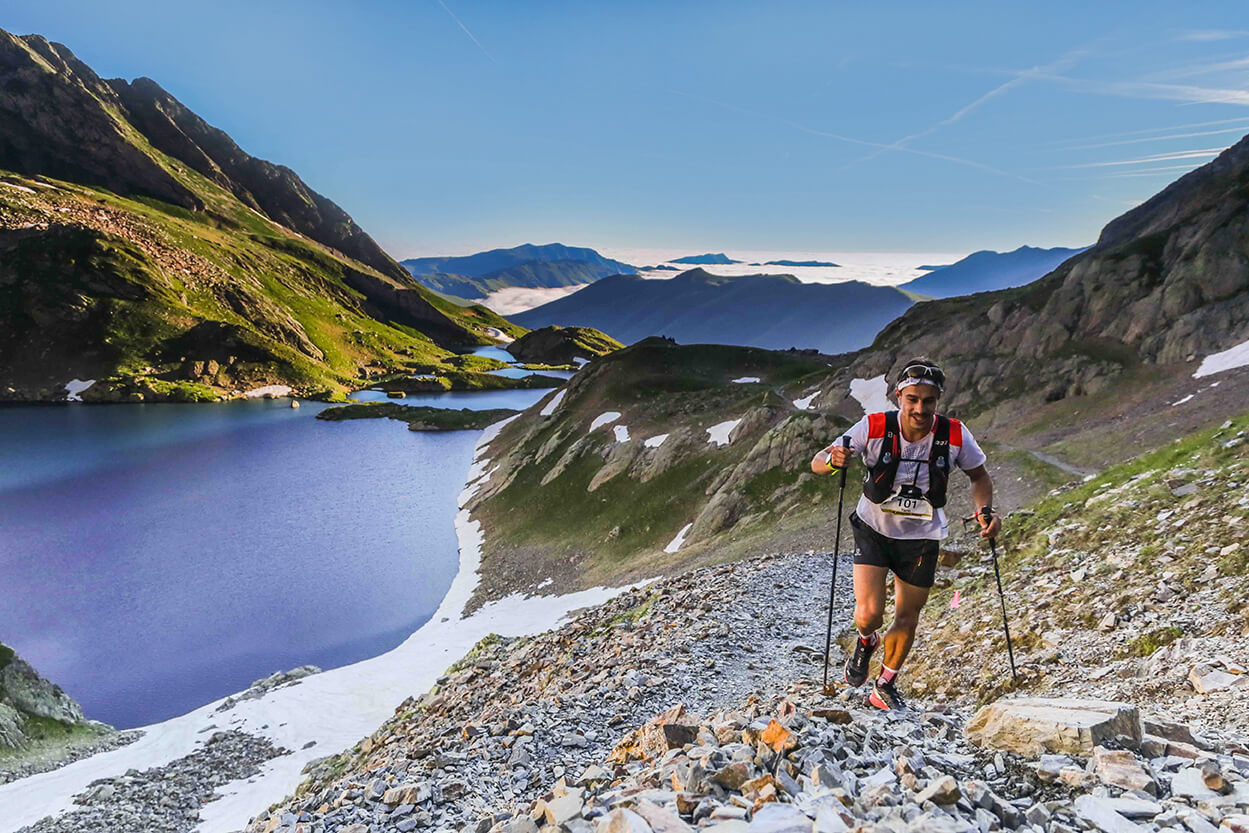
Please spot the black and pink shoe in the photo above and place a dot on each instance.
(885, 696)
(856, 665)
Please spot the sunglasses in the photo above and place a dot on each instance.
(923, 371)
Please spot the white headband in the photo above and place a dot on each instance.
(915, 380)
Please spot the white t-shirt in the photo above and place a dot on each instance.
(964, 453)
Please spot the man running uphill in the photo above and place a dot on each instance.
(900, 520)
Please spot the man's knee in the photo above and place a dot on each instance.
(906, 620)
(868, 616)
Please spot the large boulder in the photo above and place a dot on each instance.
(1033, 725)
(11, 735)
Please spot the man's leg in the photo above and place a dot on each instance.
(869, 597)
(869, 611)
(909, 600)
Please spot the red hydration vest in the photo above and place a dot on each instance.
(878, 483)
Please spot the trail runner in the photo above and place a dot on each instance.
(900, 519)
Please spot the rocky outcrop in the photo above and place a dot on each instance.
(24, 694)
(11, 735)
(23, 688)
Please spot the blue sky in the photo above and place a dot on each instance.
(448, 126)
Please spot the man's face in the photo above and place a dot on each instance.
(916, 406)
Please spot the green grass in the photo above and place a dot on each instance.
(1146, 644)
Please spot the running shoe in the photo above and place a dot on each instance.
(886, 697)
(856, 665)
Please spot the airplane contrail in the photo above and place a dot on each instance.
(471, 37)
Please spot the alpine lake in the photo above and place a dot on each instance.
(155, 557)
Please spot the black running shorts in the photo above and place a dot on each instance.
(913, 561)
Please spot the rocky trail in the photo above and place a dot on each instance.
(695, 703)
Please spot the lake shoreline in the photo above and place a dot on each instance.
(321, 714)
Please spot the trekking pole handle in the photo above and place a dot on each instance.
(987, 514)
(845, 443)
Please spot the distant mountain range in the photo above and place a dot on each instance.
(801, 263)
(988, 270)
(529, 266)
(773, 311)
(719, 259)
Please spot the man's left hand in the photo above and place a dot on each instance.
(990, 527)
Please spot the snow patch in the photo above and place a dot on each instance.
(74, 387)
(675, 543)
(499, 335)
(268, 390)
(719, 433)
(578, 361)
(334, 708)
(604, 418)
(655, 441)
(873, 394)
(805, 402)
(550, 406)
(746, 380)
(1182, 401)
(17, 187)
(1229, 359)
(622, 433)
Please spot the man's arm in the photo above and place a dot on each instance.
(982, 496)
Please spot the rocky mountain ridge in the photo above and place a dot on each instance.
(64, 121)
(1166, 282)
(144, 256)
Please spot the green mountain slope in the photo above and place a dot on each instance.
(173, 265)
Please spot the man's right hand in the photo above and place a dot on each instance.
(830, 459)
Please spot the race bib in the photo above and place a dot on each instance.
(908, 502)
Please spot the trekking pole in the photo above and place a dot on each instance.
(987, 514)
(832, 591)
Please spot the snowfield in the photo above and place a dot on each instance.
(655, 441)
(622, 433)
(605, 418)
(746, 380)
(675, 543)
(719, 433)
(268, 390)
(1229, 359)
(74, 387)
(873, 394)
(805, 402)
(549, 407)
(334, 709)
